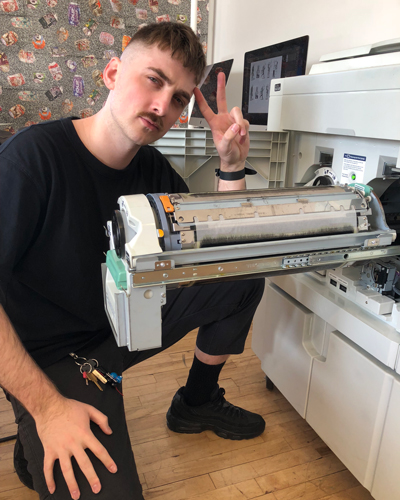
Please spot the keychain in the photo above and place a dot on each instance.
(91, 370)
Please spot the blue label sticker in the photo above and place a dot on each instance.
(355, 157)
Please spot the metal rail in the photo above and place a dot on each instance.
(258, 267)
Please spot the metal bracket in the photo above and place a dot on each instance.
(299, 261)
(375, 242)
(162, 264)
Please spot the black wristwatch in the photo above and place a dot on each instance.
(234, 176)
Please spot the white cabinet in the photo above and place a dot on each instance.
(348, 399)
(304, 336)
(386, 483)
(287, 336)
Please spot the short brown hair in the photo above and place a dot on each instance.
(179, 39)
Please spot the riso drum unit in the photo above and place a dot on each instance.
(161, 241)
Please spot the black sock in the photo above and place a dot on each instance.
(201, 382)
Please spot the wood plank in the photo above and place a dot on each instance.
(170, 445)
(8, 429)
(194, 453)
(179, 374)
(358, 493)
(305, 491)
(232, 475)
(270, 496)
(249, 488)
(130, 380)
(286, 477)
(148, 394)
(335, 483)
(182, 489)
(5, 405)
(213, 463)
(304, 438)
(147, 429)
(6, 449)
(163, 366)
(264, 466)
(19, 494)
(9, 481)
(283, 417)
(228, 493)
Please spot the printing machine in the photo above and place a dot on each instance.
(327, 245)
(334, 350)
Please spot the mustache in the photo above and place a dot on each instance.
(153, 118)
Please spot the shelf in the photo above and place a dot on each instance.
(193, 155)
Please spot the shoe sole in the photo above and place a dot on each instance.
(184, 427)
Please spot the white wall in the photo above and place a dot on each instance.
(243, 25)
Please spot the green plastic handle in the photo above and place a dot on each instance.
(117, 269)
(366, 190)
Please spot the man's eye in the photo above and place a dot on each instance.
(152, 79)
(180, 101)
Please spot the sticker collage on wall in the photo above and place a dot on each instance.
(53, 52)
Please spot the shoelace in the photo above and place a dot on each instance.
(225, 407)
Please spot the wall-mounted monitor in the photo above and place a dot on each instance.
(208, 87)
(280, 60)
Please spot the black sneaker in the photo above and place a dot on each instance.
(21, 465)
(218, 415)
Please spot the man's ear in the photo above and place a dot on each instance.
(110, 73)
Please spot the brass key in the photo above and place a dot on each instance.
(98, 375)
(93, 378)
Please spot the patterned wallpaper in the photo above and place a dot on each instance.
(53, 52)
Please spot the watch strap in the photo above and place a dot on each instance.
(234, 176)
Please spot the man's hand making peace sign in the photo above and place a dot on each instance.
(230, 133)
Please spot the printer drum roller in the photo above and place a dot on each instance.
(225, 218)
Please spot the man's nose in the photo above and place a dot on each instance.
(161, 103)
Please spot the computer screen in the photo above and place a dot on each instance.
(208, 87)
(280, 60)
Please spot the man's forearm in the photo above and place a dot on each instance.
(36, 392)
(231, 185)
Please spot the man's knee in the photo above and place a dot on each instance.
(257, 287)
(252, 291)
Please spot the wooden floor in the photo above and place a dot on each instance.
(288, 462)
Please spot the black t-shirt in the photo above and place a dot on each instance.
(55, 200)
